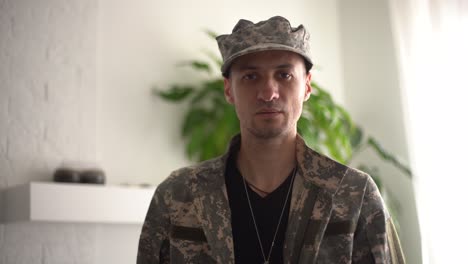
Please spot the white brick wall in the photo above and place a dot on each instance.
(47, 86)
(48, 243)
(47, 114)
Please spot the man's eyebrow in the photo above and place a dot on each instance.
(283, 66)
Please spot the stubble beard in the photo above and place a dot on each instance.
(265, 131)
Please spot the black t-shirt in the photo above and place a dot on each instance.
(267, 211)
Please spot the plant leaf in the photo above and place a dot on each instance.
(197, 65)
(194, 119)
(175, 94)
(211, 33)
(209, 90)
(356, 137)
(387, 156)
(195, 143)
(215, 58)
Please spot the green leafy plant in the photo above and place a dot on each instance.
(210, 122)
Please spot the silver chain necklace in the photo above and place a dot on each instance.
(267, 259)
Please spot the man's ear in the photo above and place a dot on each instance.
(228, 91)
(308, 89)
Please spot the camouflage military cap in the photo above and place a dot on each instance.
(275, 33)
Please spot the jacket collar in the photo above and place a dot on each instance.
(311, 203)
(317, 169)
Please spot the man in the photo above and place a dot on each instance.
(270, 198)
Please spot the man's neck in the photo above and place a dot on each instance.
(266, 163)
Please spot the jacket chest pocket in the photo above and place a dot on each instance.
(188, 233)
(189, 245)
(328, 242)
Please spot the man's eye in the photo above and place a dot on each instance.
(285, 75)
(250, 76)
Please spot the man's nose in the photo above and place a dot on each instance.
(268, 90)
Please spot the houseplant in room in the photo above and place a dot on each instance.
(210, 122)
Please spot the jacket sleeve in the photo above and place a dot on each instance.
(375, 238)
(153, 246)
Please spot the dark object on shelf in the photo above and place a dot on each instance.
(95, 176)
(66, 175)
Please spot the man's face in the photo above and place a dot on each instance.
(268, 89)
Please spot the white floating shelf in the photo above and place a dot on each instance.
(73, 202)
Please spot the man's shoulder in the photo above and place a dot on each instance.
(352, 182)
(189, 177)
(331, 174)
(347, 184)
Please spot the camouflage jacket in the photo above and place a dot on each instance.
(337, 216)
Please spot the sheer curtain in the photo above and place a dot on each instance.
(431, 37)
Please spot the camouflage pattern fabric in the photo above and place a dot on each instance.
(275, 33)
(337, 216)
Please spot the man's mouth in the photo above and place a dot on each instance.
(269, 112)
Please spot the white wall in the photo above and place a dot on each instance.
(48, 91)
(372, 95)
(48, 113)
